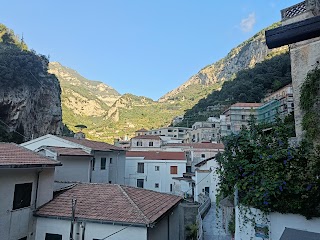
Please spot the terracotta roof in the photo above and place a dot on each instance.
(94, 145)
(110, 203)
(197, 145)
(64, 151)
(157, 155)
(199, 164)
(142, 130)
(246, 105)
(15, 156)
(154, 137)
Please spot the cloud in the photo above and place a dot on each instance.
(247, 24)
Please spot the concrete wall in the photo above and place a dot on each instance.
(74, 168)
(150, 175)
(15, 224)
(187, 215)
(92, 230)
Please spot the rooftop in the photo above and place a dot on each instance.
(197, 145)
(142, 130)
(64, 151)
(94, 145)
(157, 155)
(15, 156)
(153, 137)
(110, 203)
(250, 105)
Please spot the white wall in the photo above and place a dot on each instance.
(145, 144)
(92, 230)
(15, 224)
(150, 176)
(180, 187)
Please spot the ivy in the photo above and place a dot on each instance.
(310, 104)
(269, 174)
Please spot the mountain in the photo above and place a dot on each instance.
(29, 95)
(211, 77)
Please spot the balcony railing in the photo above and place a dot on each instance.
(294, 10)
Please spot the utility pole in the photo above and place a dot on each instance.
(73, 210)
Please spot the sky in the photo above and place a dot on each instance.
(143, 47)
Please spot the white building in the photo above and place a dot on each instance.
(195, 152)
(108, 162)
(154, 170)
(145, 143)
(208, 131)
(109, 210)
(26, 182)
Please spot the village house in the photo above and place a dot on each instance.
(145, 143)
(195, 152)
(106, 165)
(154, 170)
(26, 182)
(109, 211)
(208, 131)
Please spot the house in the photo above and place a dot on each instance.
(195, 152)
(26, 182)
(154, 170)
(145, 143)
(208, 131)
(109, 211)
(107, 164)
(142, 131)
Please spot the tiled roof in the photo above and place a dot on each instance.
(199, 164)
(157, 155)
(142, 130)
(94, 145)
(15, 156)
(154, 137)
(64, 151)
(197, 145)
(246, 105)
(110, 203)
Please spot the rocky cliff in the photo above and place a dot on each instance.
(29, 95)
(244, 56)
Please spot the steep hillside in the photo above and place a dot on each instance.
(29, 95)
(211, 77)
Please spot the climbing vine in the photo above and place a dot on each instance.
(310, 104)
(269, 174)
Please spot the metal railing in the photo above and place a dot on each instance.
(294, 10)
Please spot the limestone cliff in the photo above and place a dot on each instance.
(29, 95)
(244, 56)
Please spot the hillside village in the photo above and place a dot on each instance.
(250, 173)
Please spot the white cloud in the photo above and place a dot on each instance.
(247, 24)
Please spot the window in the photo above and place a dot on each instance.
(228, 127)
(103, 163)
(51, 236)
(93, 163)
(150, 144)
(169, 130)
(173, 169)
(203, 155)
(242, 117)
(156, 185)
(139, 144)
(170, 187)
(110, 160)
(22, 195)
(110, 182)
(140, 168)
(140, 183)
(188, 169)
(213, 125)
(156, 168)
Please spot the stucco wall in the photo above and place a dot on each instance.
(15, 224)
(150, 176)
(92, 230)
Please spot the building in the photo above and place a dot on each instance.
(108, 161)
(154, 170)
(142, 131)
(268, 112)
(145, 143)
(26, 182)
(109, 210)
(195, 152)
(208, 131)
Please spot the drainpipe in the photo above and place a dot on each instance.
(74, 202)
(37, 187)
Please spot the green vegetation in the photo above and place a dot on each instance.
(270, 174)
(249, 85)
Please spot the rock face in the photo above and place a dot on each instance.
(33, 108)
(246, 55)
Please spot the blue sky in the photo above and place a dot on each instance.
(144, 47)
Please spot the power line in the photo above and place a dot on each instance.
(13, 130)
(116, 232)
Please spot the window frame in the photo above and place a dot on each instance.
(157, 168)
(19, 192)
(140, 180)
(139, 167)
(103, 163)
(156, 185)
(173, 169)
